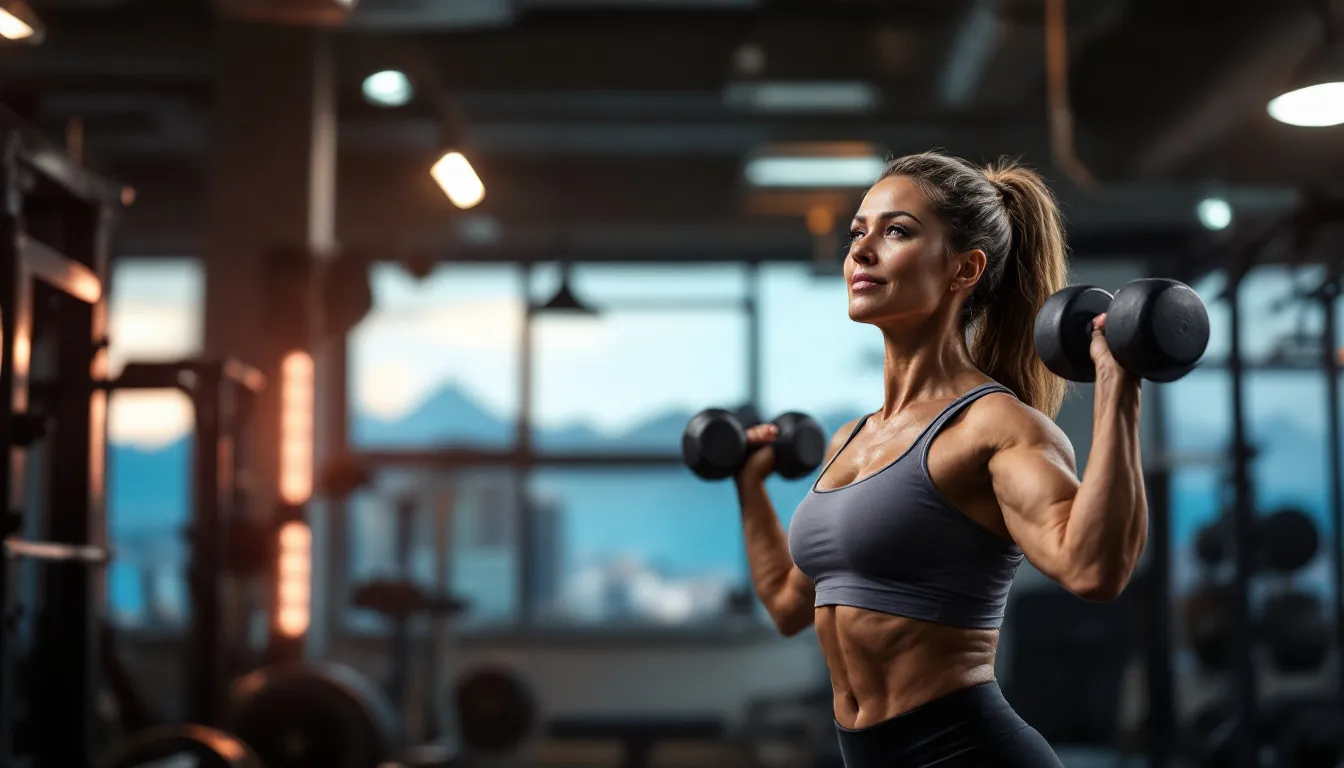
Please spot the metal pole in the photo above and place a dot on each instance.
(1328, 294)
(1243, 519)
(206, 565)
(1161, 708)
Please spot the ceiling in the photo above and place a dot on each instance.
(606, 121)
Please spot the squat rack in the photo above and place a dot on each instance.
(1300, 226)
(55, 225)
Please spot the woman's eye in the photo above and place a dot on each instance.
(854, 234)
(896, 229)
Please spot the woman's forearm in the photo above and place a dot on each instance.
(767, 544)
(1108, 522)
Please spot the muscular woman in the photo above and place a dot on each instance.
(903, 551)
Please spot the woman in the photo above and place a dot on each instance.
(904, 550)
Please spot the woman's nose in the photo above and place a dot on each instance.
(862, 253)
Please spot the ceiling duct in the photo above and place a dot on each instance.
(323, 13)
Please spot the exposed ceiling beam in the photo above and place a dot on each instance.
(972, 48)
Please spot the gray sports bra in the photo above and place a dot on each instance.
(891, 542)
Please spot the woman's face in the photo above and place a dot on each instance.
(899, 268)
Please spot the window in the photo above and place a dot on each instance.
(615, 546)
(1273, 317)
(1284, 425)
(436, 361)
(154, 313)
(815, 359)
(481, 562)
(630, 377)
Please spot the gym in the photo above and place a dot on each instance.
(382, 376)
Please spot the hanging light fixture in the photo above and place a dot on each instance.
(564, 302)
(1315, 97)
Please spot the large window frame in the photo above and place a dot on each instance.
(524, 458)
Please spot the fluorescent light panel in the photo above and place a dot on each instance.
(839, 96)
(819, 172)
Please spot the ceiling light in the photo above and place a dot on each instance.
(18, 22)
(818, 166)
(389, 88)
(458, 180)
(564, 302)
(1215, 213)
(837, 96)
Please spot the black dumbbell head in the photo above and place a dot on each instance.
(800, 447)
(1063, 332)
(714, 444)
(1157, 328)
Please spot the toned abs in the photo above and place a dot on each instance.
(883, 665)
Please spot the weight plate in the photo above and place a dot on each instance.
(313, 716)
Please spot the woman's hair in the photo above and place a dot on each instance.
(1007, 211)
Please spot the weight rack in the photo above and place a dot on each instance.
(55, 225)
(221, 394)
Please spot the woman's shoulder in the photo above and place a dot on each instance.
(1004, 421)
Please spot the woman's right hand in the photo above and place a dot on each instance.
(761, 454)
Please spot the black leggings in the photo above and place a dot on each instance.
(971, 728)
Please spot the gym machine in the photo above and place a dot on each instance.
(55, 226)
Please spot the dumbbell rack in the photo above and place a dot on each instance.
(55, 224)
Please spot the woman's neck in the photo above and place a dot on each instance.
(925, 362)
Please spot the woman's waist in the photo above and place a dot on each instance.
(882, 665)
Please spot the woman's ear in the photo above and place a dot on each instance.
(970, 268)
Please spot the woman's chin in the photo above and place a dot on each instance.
(862, 310)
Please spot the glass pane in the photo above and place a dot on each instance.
(1284, 425)
(627, 282)
(474, 555)
(634, 546)
(1198, 412)
(815, 359)
(1199, 496)
(1272, 317)
(154, 314)
(627, 380)
(436, 361)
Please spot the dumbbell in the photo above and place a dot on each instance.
(714, 445)
(1157, 329)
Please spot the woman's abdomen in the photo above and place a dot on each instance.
(882, 666)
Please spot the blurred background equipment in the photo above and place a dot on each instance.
(360, 420)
